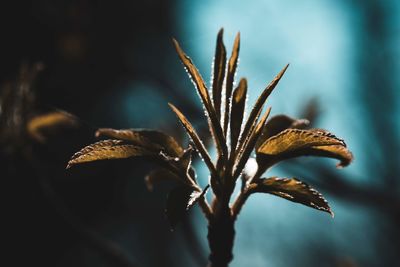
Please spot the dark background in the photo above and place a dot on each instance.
(112, 64)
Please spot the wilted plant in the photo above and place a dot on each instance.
(275, 140)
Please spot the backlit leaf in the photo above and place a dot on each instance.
(108, 149)
(295, 139)
(238, 107)
(249, 146)
(230, 76)
(215, 126)
(293, 190)
(337, 152)
(279, 123)
(254, 114)
(149, 139)
(195, 138)
(218, 73)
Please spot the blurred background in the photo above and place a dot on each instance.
(113, 65)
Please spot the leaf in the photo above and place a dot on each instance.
(218, 73)
(149, 139)
(238, 107)
(177, 204)
(254, 114)
(38, 126)
(292, 143)
(230, 76)
(294, 139)
(337, 152)
(277, 124)
(249, 146)
(215, 126)
(108, 149)
(293, 190)
(159, 175)
(195, 138)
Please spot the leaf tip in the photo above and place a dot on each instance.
(220, 34)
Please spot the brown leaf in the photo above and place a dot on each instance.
(108, 149)
(149, 139)
(215, 126)
(195, 138)
(249, 146)
(238, 107)
(292, 143)
(293, 190)
(294, 139)
(177, 204)
(254, 114)
(38, 126)
(277, 124)
(230, 76)
(337, 152)
(218, 72)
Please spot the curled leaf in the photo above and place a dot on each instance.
(149, 139)
(279, 123)
(107, 149)
(337, 152)
(292, 189)
(218, 73)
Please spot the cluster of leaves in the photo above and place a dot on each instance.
(235, 138)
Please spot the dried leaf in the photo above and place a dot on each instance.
(159, 175)
(230, 76)
(108, 149)
(215, 126)
(218, 72)
(254, 114)
(279, 123)
(149, 139)
(238, 107)
(177, 204)
(293, 190)
(195, 138)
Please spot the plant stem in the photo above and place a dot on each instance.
(221, 234)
